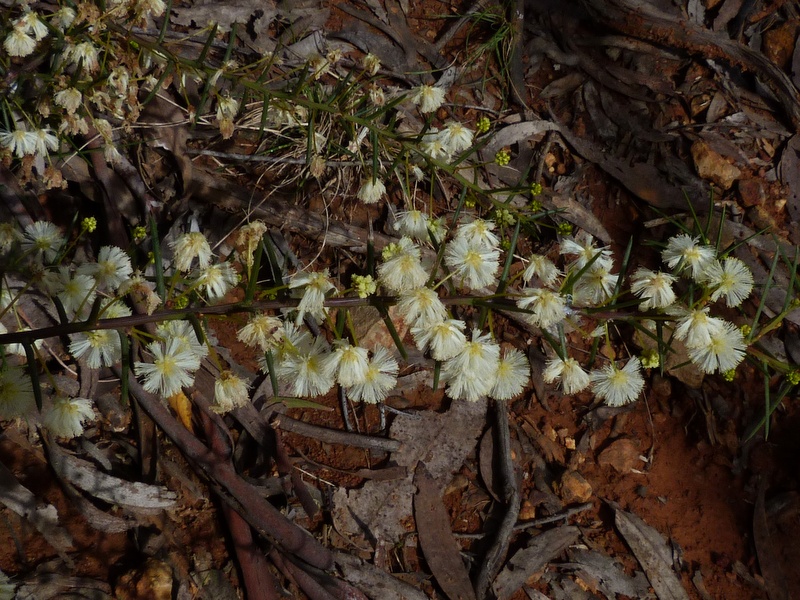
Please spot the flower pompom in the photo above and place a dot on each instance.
(473, 264)
(316, 285)
(546, 307)
(618, 386)
(695, 327)
(307, 368)
(478, 231)
(16, 393)
(685, 252)
(371, 191)
(542, 267)
(596, 286)
(421, 307)
(456, 137)
(428, 98)
(262, 331)
(217, 280)
(402, 268)
(350, 363)
(379, 380)
(172, 368)
(573, 378)
(444, 339)
(655, 288)
(43, 237)
(582, 246)
(230, 392)
(18, 43)
(100, 347)
(66, 417)
(722, 352)
(472, 372)
(731, 279)
(513, 374)
(113, 267)
(189, 246)
(412, 223)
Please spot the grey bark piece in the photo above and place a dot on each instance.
(378, 509)
(44, 517)
(85, 476)
(607, 574)
(380, 584)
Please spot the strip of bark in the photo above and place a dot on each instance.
(256, 575)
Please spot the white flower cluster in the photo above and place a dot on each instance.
(473, 364)
(448, 143)
(312, 366)
(445, 145)
(104, 284)
(713, 344)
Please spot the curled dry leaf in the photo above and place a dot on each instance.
(376, 511)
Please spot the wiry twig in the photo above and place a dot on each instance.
(275, 160)
(494, 556)
(333, 436)
(563, 515)
(29, 336)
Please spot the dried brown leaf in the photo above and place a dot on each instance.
(768, 559)
(486, 462)
(528, 561)
(653, 553)
(440, 548)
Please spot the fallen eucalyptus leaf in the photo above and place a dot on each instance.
(526, 562)
(440, 548)
(605, 575)
(653, 553)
